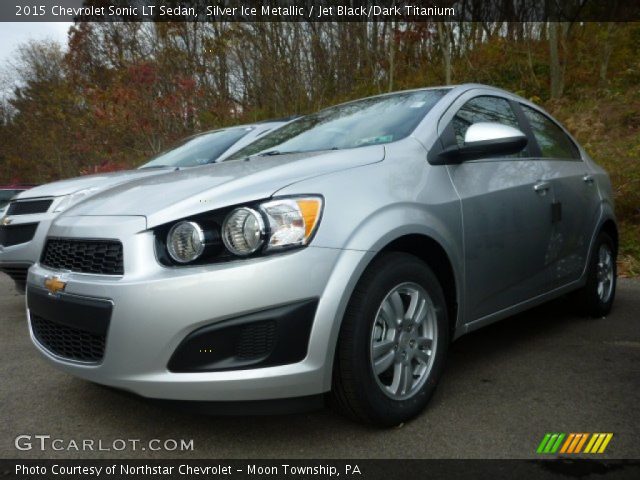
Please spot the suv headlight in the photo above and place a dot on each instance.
(248, 230)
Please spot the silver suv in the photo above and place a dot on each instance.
(340, 253)
(29, 215)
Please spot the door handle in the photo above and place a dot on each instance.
(588, 179)
(541, 187)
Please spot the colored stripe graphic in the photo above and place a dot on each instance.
(582, 442)
(572, 443)
(543, 443)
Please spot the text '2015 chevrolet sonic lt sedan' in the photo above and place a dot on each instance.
(340, 253)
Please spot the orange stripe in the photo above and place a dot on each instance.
(567, 442)
(584, 439)
(574, 443)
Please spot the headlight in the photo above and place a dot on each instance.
(291, 221)
(70, 200)
(257, 228)
(243, 231)
(185, 242)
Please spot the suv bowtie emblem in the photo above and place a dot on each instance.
(54, 285)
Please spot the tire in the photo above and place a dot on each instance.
(403, 390)
(590, 299)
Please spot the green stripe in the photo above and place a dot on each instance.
(543, 443)
(550, 443)
(557, 445)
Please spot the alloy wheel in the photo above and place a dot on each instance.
(403, 341)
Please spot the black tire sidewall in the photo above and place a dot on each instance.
(381, 278)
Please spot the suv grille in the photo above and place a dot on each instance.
(84, 256)
(16, 234)
(68, 342)
(27, 207)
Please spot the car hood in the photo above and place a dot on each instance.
(99, 181)
(177, 194)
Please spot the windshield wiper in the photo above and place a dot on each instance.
(271, 153)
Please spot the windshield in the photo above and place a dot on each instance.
(6, 195)
(371, 121)
(198, 150)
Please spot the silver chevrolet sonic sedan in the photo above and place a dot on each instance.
(334, 258)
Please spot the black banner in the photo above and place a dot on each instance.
(325, 469)
(320, 10)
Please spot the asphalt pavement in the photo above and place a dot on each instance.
(504, 387)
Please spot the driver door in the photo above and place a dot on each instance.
(506, 206)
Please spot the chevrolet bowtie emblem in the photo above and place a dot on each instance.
(54, 285)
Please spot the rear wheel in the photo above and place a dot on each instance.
(595, 299)
(393, 342)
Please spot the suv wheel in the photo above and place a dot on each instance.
(596, 297)
(392, 343)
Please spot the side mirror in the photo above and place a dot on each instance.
(487, 139)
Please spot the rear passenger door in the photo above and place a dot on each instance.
(506, 205)
(576, 199)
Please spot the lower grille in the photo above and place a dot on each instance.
(68, 342)
(84, 256)
(256, 340)
(16, 234)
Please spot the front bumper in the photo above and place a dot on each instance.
(156, 308)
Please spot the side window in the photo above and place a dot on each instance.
(553, 142)
(482, 109)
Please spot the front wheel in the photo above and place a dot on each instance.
(392, 343)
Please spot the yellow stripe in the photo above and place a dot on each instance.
(584, 439)
(567, 442)
(574, 443)
(591, 442)
(606, 442)
(596, 445)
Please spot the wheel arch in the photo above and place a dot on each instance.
(610, 227)
(427, 247)
(435, 256)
